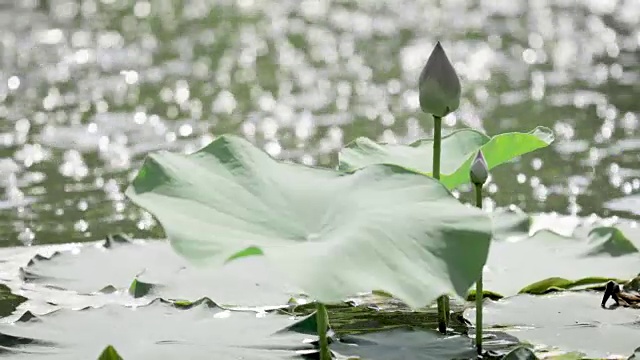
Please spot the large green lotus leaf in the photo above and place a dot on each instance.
(88, 269)
(156, 331)
(569, 321)
(333, 234)
(547, 261)
(458, 150)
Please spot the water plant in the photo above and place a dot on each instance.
(330, 233)
(479, 174)
(439, 94)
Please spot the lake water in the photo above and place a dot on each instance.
(88, 87)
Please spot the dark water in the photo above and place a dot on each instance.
(88, 87)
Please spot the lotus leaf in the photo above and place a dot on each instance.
(155, 331)
(330, 233)
(458, 151)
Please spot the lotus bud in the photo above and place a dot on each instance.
(479, 170)
(439, 86)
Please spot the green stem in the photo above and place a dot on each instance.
(322, 320)
(443, 301)
(437, 140)
(479, 289)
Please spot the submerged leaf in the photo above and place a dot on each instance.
(399, 344)
(521, 353)
(458, 151)
(332, 234)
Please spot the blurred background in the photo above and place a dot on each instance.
(89, 87)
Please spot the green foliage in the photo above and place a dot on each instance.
(139, 288)
(109, 353)
(559, 284)
(9, 301)
(458, 151)
(486, 294)
(610, 241)
(332, 234)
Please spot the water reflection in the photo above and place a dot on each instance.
(88, 87)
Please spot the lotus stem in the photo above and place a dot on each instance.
(479, 287)
(437, 140)
(443, 301)
(322, 320)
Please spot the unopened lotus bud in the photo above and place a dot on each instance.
(479, 170)
(439, 86)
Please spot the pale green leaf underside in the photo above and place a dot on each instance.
(458, 150)
(332, 234)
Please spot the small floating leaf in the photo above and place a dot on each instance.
(139, 289)
(610, 241)
(109, 353)
(9, 301)
(93, 270)
(156, 331)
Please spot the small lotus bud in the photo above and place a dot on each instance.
(479, 170)
(439, 86)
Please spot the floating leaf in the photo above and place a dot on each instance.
(569, 321)
(636, 354)
(610, 241)
(547, 261)
(139, 288)
(558, 284)
(471, 296)
(92, 267)
(332, 234)
(458, 151)
(156, 331)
